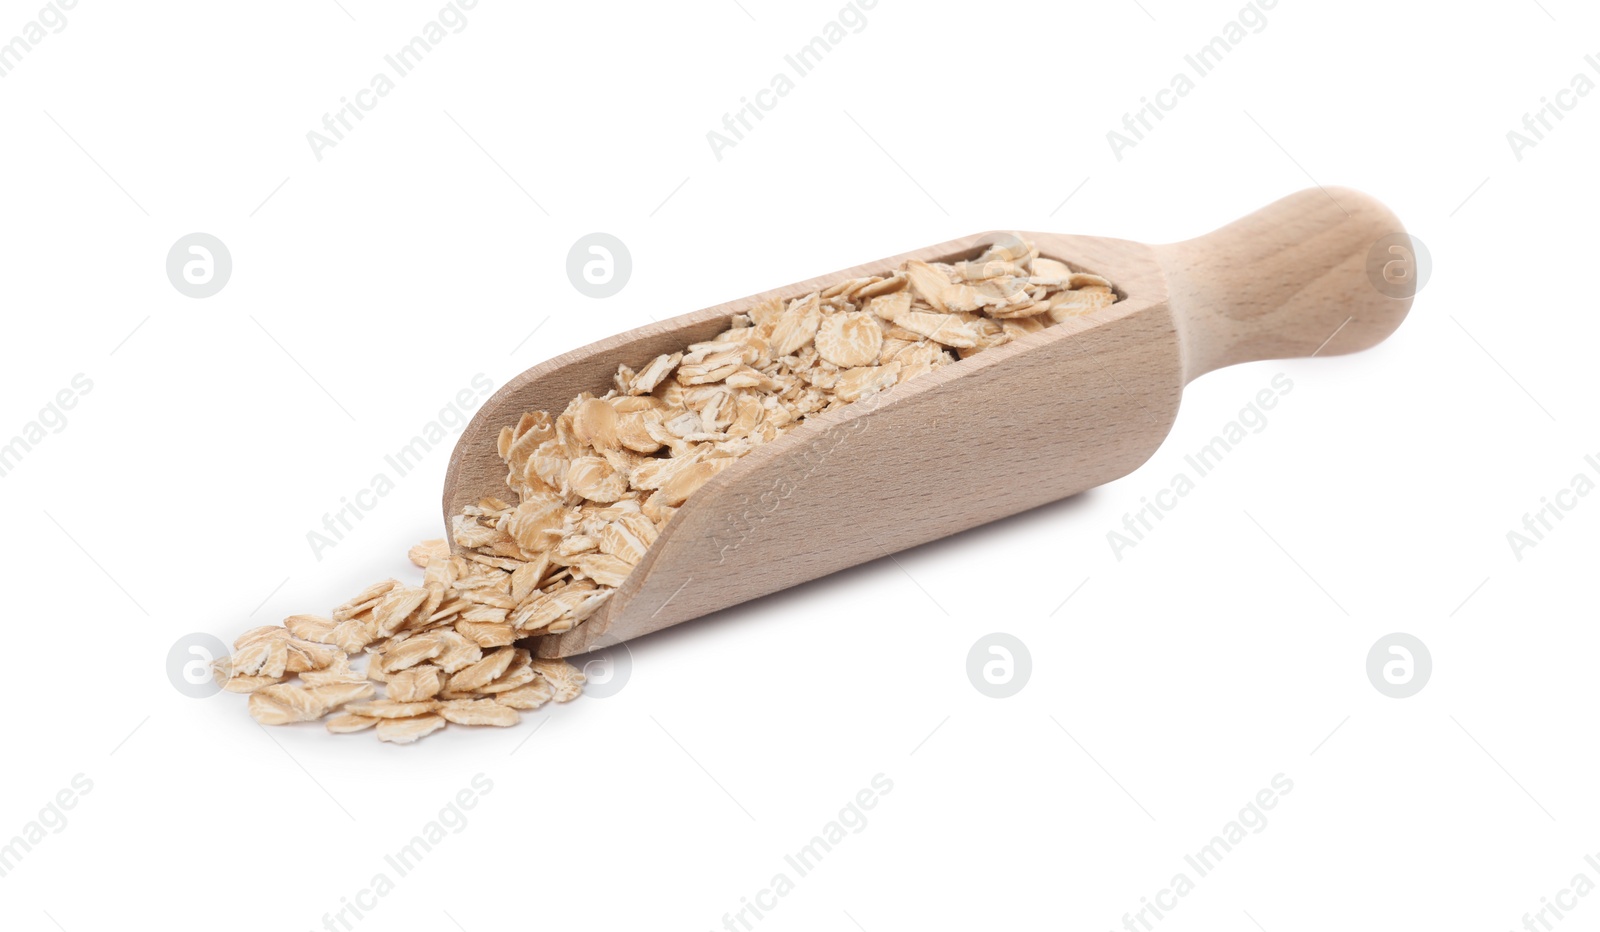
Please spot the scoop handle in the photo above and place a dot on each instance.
(1318, 273)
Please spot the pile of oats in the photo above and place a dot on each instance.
(442, 651)
(595, 486)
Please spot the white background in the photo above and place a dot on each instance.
(370, 286)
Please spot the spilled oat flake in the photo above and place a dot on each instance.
(595, 485)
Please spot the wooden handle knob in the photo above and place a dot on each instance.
(1321, 272)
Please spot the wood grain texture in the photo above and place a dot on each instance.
(1283, 282)
(1054, 412)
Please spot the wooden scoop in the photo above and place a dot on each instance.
(1045, 416)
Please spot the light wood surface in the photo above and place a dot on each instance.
(1055, 412)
